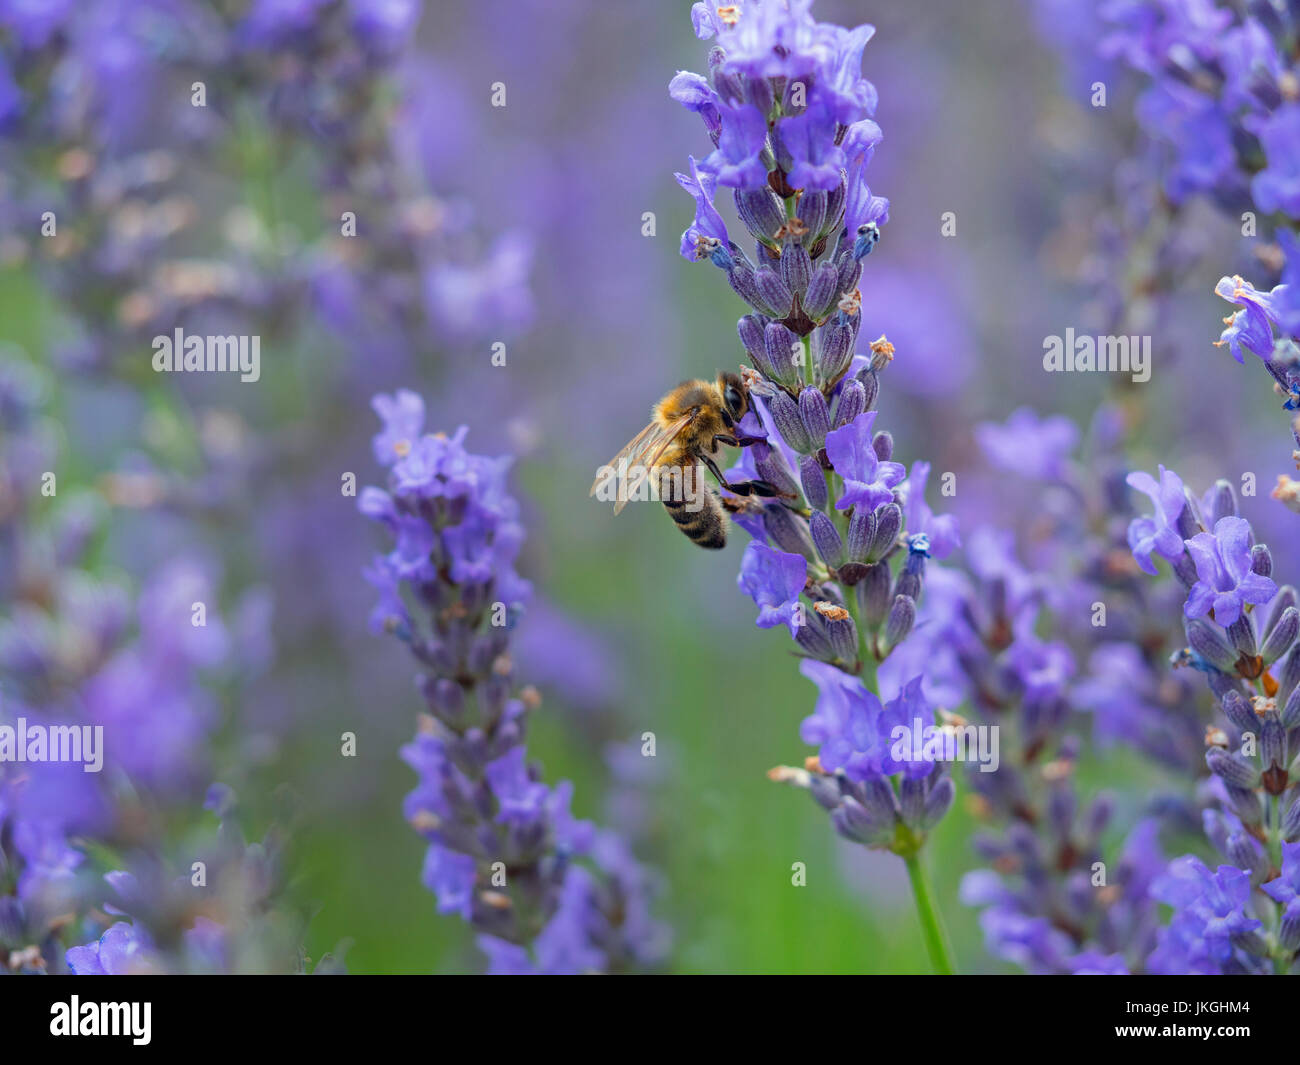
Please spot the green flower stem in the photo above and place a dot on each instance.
(932, 930)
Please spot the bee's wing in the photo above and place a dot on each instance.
(644, 450)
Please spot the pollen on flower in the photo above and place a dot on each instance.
(530, 697)
(795, 227)
(1215, 737)
(495, 899)
(830, 611)
(788, 774)
(882, 346)
(1058, 769)
(1262, 704)
(501, 665)
(729, 14)
(851, 303)
(1287, 492)
(402, 448)
(424, 821)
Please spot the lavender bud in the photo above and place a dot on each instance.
(853, 822)
(1239, 712)
(911, 801)
(825, 791)
(750, 327)
(761, 211)
(445, 698)
(835, 201)
(1189, 521)
(1261, 560)
(816, 416)
(938, 802)
(850, 271)
(840, 631)
(774, 291)
(813, 639)
(823, 291)
(1290, 715)
(1281, 635)
(812, 212)
(1272, 743)
(744, 282)
(788, 532)
(862, 532)
(902, 616)
(873, 596)
(1291, 821)
(780, 343)
(1209, 642)
(889, 521)
(883, 445)
(1246, 854)
(1242, 634)
(1184, 570)
(1245, 803)
(1285, 597)
(851, 402)
(879, 799)
(826, 538)
(832, 348)
(1233, 770)
(1223, 504)
(910, 577)
(814, 483)
(1289, 675)
(1289, 934)
(1098, 816)
(772, 466)
(788, 423)
(796, 267)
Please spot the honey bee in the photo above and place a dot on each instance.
(688, 430)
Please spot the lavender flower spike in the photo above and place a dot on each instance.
(547, 892)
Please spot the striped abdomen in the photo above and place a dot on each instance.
(695, 508)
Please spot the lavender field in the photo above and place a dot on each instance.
(321, 652)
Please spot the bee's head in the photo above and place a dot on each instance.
(735, 396)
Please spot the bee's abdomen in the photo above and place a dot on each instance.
(706, 526)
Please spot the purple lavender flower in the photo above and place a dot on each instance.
(1030, 446)
(1277, 186)
(504, 849)
(1210, 924)
(940, 530)
(868, 482)
(1158, 534)
(774, 580)
(1225, 580)
(1252, 326)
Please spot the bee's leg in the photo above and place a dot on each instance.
(737, 441)
(765, 489)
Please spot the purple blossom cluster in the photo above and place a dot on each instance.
(1241, 631)
(101, 159)
(840, 559)
(80, 651)
(547, 892)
